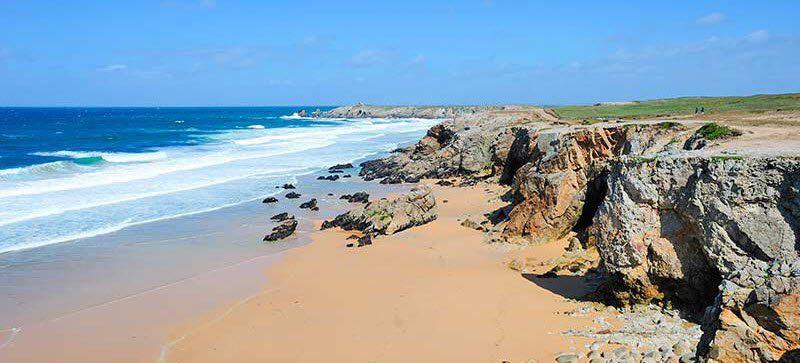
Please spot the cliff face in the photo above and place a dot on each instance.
(714, 233)
(717, 236)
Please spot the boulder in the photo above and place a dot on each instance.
(280, 217)
(357, 197)
(328, 177)
(390, 216)
(282, 230)
(311, 204)
(270, 200)
(341, 167)
(293, 195)
(288, 186)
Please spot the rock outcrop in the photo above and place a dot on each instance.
(713, 233)
(282, 230)
(389, 216)
(717, 236)
(361, 110)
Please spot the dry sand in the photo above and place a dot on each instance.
(432, 293)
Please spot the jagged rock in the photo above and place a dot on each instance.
(444, 183)
(335, 171)
(341, 167)
(472, 224)
(389, 216)
(720, 234)
(270, 200)
(311, 204)
(293, 195)
(302, 113)
(328, 177)
(346, 176)
(288, 186)
(280, 217)
(357, 197)
(316, 113)
(365, 240)
(281, 231)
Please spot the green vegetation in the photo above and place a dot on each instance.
(713, 131)
(725, 157)
(680, 106)
(669, 124)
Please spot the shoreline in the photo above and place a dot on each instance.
(393, 301)
(155, 275)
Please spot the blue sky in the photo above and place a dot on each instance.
(206, 52)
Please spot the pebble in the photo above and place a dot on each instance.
(567, 358)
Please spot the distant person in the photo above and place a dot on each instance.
(702, 110)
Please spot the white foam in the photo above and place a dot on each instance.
(62, 201)
(257, 127)
(110, 157)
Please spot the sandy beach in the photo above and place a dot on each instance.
(432, 293)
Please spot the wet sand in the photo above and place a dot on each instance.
(436, 292)
(118, 297)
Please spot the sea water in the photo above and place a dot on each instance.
(71, 173)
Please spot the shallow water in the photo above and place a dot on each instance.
(70, 173)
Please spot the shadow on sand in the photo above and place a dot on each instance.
(569, 286)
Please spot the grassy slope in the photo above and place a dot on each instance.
(682, 106)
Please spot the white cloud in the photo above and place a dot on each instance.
(758, 36)
(113, 68)
(712, 19)
(367, 58)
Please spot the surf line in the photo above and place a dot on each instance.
(14, 333)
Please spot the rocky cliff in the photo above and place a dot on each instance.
(713, 234)
(443, 112)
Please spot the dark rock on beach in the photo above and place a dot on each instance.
(281, 231)
(341, 167)
(288, 186)
(311, 204)
(270, 200)
(357, 197)
(293, 195)
(389, 216)
(280, 217)
(328, 177)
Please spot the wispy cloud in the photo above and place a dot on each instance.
(711, 19)
(758, 36)
(419, 59)
(367, 58)
(112, 68)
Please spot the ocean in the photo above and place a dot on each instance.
(71, 173)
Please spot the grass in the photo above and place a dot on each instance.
(681, 106)
(713, 131)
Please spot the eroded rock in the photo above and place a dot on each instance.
(389, 216)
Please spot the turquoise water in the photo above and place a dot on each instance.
(70, 173)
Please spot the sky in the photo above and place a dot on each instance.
(251, 53)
